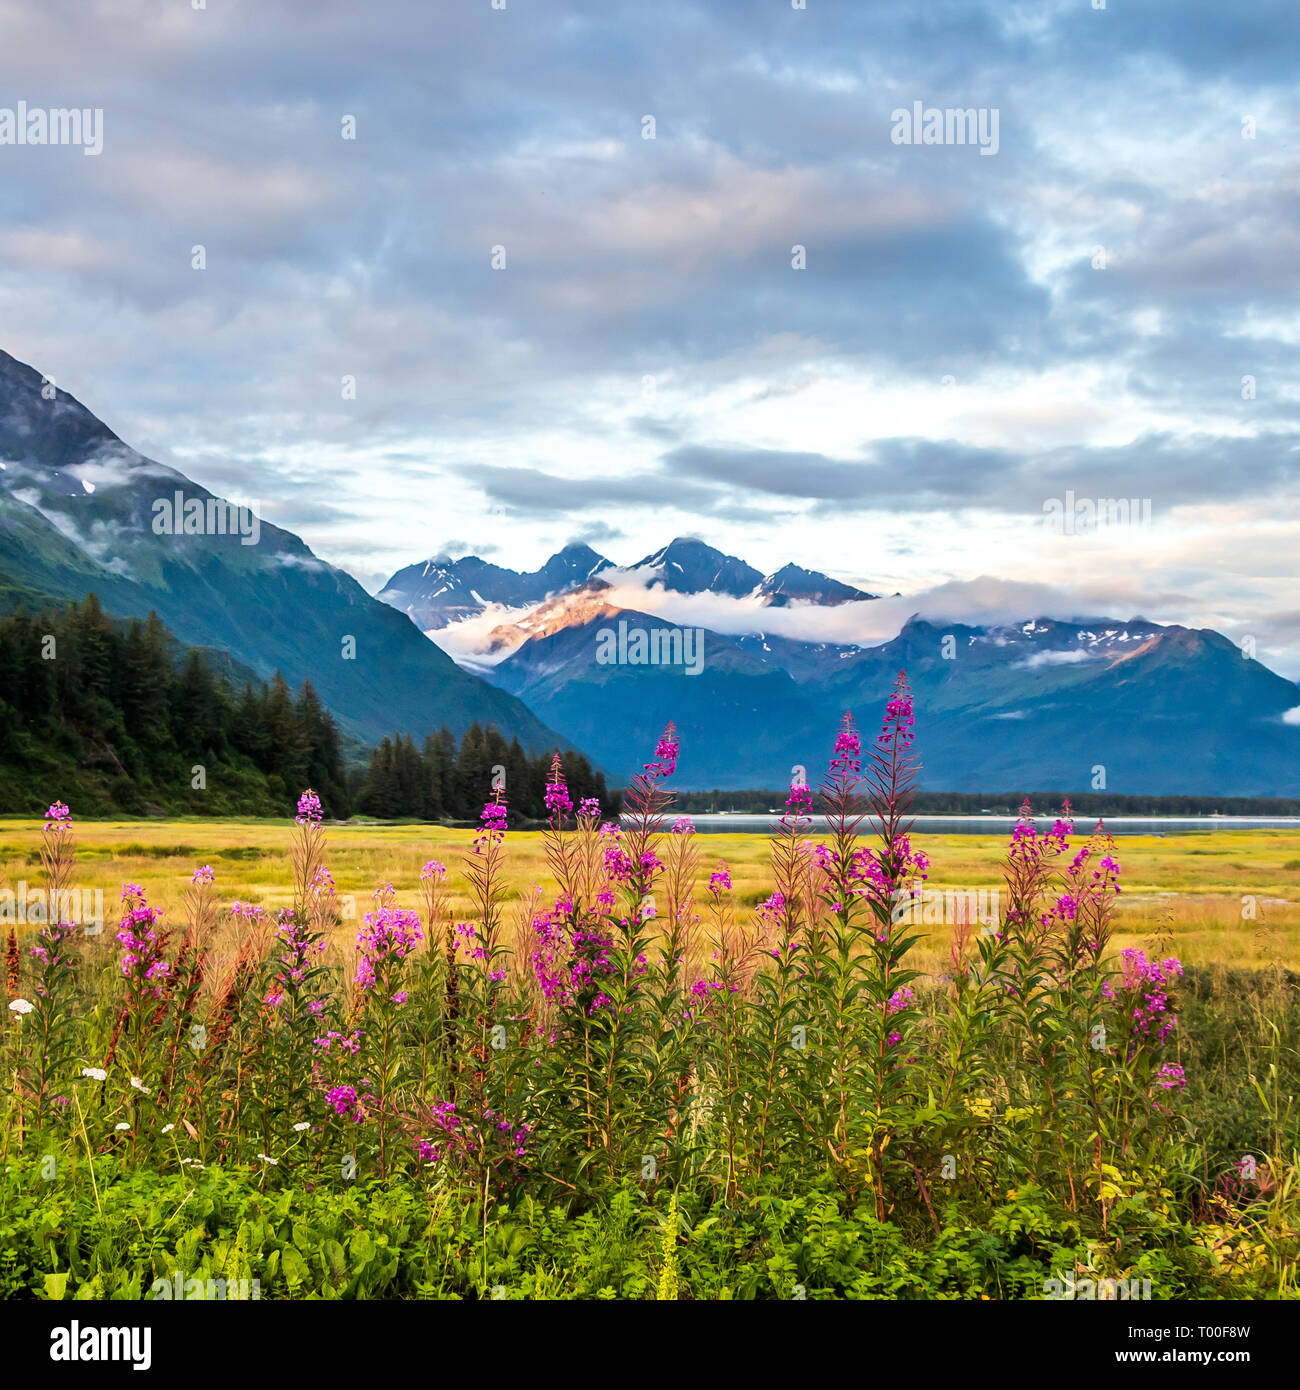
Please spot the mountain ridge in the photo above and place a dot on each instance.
(78, 514)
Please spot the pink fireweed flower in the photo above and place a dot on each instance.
(433, 870)
(252, 911)
(898, 719)
(683, 825)
(309, 808)
(848, 747)
(349, 1102)
(295, 940)
(469, 942)
(142, 960)
(618, 863)
(898, 1001)
(772, 909)
(203, 875)
(719, 880)
(704, 990)
(455, 1137)
(865, 867)
(666, 750)
(558, 803)
(799, 804)
(388, 936)
(1145, 984)
(1172, 1077)
(58, 818)
(492, 825)
(588, 808)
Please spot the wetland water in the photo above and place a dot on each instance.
(755, 824)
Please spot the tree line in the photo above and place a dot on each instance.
(445, 781)
(118, 717)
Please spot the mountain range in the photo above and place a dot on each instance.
(442, 591)
(81, 511)
(1128, 706)
(558, 656)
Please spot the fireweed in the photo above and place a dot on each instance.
(637, 1023)
(41, 1032)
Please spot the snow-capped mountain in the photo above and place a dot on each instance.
(443, 591)
(1131, 705)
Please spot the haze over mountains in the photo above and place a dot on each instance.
(1128, 706)
(79, 511)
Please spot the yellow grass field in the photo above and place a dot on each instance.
(1226, 897)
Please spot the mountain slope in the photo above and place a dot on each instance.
(736, 715)
(794, 584)
(1150, 709)
(80, 512)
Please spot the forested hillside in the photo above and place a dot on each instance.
(120, 718)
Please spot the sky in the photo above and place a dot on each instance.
(500, 318)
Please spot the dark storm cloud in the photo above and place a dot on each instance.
(534, 492)
(922, 475)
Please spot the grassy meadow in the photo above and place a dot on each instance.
(1190, 887)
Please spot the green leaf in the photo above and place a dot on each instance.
(294, 1266)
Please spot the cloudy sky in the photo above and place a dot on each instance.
(1104, 308)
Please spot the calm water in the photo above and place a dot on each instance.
(1001, 825)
